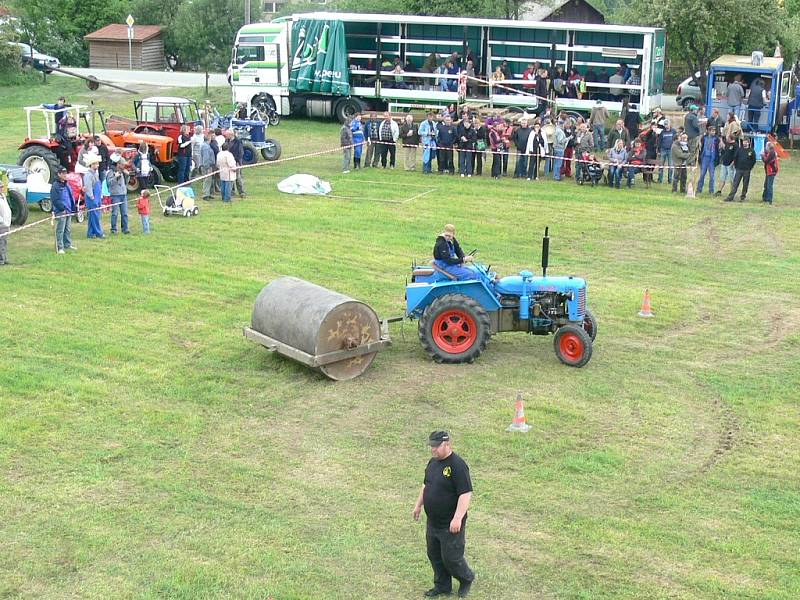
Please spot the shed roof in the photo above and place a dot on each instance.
(117, 32)
(539, 11)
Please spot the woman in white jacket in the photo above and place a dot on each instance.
(536, 149)
(226, 165)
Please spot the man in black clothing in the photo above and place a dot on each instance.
(520, 139)
(236, 147)
(448, 256)
(445, 140)
(446, 493)
(743, 162)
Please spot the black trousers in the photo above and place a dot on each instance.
(740, 177)
(446, 553)
(533, 166)
(388, 148)
(445, 160)
(497, 163)
(479, 163)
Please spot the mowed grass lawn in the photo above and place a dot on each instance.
(147, 450)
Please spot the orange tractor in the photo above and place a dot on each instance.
(63, 139)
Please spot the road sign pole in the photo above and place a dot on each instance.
(129, 22)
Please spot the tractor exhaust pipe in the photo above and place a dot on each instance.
(545, 251)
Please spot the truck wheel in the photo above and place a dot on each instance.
(454, 329)
(590, 324)
(272, 151)
(249, 154)
(40, 159)
(573, 345)
(687, 102)
(347, 108)
(19, 207)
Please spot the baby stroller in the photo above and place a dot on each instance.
(179, 203)
(592, 170)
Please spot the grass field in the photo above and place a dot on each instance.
(147, 450)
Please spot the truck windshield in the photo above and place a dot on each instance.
(248, 53)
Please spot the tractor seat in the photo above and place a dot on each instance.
(423, 272)
(443, 272)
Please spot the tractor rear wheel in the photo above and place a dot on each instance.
(573, 345)
(19, 207)
(590, 324)
(249, 154)
(40, 159)
(272, 151)
(134, 184)
(454, 329)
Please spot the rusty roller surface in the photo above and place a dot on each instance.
(317, 320)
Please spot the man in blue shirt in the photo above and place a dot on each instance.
(709, 156)
(63, 208)
(665, 140)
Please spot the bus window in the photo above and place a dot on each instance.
(248, 53)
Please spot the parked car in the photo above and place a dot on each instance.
(39, 61)
(689, 91)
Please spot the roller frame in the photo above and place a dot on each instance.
(320, 360)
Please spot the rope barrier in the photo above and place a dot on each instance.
(200, 178)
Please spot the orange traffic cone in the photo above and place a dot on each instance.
(646, 312)
(518, 422)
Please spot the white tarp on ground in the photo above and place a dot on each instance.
(304, 184)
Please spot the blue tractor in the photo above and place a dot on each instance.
(253, 134)
(456, 318)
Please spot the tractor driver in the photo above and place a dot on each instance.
(448, 256)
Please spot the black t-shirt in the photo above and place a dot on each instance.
(445, 481)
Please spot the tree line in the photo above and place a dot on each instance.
(199, 33)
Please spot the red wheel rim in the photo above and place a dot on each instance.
(571, 347)
(454, 331)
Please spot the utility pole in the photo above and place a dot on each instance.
(247, 12)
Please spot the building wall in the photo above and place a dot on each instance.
(114, 55)
(153, 55)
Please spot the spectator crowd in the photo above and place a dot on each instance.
(561, 146)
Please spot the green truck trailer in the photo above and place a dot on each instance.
(335, 64)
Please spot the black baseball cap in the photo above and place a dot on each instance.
(437, 437)
(61, 170)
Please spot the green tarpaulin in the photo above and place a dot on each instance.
(319, 63)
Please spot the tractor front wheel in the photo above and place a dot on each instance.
(249, 154)
(573, 345)
(19, 207)
(40, 159)
(454, 329)
(590, 324)
(272, 151)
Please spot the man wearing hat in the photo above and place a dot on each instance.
(445, 494)
(448, 256)
(117, 181)
(63, 208)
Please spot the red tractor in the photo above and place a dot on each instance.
(165, 115)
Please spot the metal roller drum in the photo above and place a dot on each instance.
(318, 327)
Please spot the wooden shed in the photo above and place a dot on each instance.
(561, 11)
(108, 47)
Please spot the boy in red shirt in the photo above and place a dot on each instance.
(143, 206)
